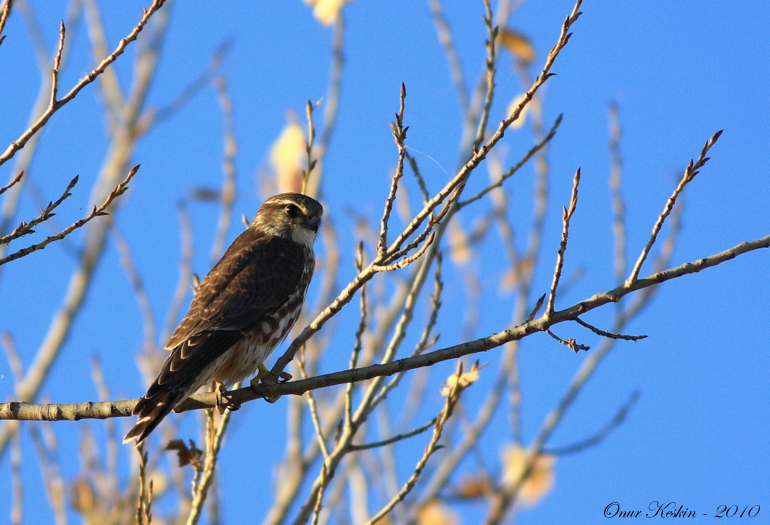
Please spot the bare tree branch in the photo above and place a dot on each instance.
(56, 412)
(54, 106)
(96, 212)
(566, 216)
(689, 174)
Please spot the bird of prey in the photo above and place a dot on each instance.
(242, 310)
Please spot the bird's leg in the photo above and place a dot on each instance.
(224, 399)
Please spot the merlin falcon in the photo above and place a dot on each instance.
(242, 310)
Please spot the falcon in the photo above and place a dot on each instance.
(242, 310)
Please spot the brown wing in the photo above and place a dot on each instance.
(256, 275)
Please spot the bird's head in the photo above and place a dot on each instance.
(290, 215)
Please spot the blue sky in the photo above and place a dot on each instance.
(679, 71)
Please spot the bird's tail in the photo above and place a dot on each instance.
(152, 408)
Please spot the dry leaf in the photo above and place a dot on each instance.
(463, 380)
(287, 157)
(436, 513)
(191, 455)
(538, 483)
(459, 245)
(517, 44)
(508, 281)
(83, 498)
(472, 487)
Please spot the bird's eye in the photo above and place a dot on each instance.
(292, 210)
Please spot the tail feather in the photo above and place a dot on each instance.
(151, 411)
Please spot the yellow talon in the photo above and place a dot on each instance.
(220, 391)
(223, 399)
(263, 372)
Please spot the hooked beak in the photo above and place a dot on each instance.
(312, 223)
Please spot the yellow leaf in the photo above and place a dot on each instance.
(287, 158)
(326, 11)
(540, 480)
(517, 44)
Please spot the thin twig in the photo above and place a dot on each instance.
(144, 501)
(96, 212)
(320, 499)
(359, 339)
(4, 17)
(17, 508)
(46, 448)
(566, 216)
(512, 171)
(56, 65)
(90, 77)
(15, 180)
(137, 285)
(103, 391)
(616, 191)
(615, 422)
(609, 335)
(332, 99)
(689, 174)
(26, 228)
(453, 397)
(185, 271)
(229, 151)
(313, 410)
(399, 134)
(452, 57)
(14, 360)
(311, 163)
(569, 343)
(214, 436)
(154, 116)
(395, 439)
(417, 175)
(490, 75)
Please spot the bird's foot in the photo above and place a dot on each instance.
(224, 399)
(263, 372)
(266, 376)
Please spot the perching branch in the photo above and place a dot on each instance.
(58, 412)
